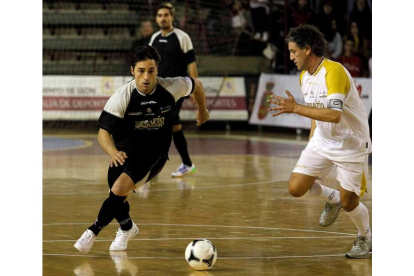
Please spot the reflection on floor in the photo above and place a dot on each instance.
(237, 199)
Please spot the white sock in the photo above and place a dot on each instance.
(360, 217)
(330, 195)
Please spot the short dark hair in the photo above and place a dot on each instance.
(167, 6)
(308, 35)
(143, 53)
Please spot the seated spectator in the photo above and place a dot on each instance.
(350, 61)
(334, 40)
(301, 14)
(324, 18)
(259, 11)
(361, 43)
(362, 15)
(145, 32)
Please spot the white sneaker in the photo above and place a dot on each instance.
(122, 237)
(257, 36)
(85, 242)
(183, 170)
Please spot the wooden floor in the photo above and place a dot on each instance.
(238, 199)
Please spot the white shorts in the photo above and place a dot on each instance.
(351, 175)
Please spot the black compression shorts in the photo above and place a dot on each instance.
(137, 168)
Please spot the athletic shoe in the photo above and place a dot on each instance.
(257, 36)
(122, 237)
(183, 170)
(330, 213)
(85, 242)
(361, 248)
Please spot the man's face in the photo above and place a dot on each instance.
(146, 29)
(298, 56)
(164, 18)
(145, 74)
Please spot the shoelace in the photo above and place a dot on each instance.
(119, 235)
(358, 241)
(183, 169)
(328, 207)
(87, 238)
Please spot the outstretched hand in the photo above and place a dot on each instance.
(285, 105)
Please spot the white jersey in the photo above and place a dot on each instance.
(331, 86)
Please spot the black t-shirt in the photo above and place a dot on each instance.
(176, 50)
(141, 123)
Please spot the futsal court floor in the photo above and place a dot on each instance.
(237, 199)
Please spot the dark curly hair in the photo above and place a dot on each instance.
(143, 53)
(308, 35)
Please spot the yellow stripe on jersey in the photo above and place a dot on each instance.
(337, 80)
(301, 76)
(363, 184)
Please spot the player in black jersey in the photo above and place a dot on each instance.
(177, 57)
(135, 131)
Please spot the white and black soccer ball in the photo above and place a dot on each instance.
(201, 254)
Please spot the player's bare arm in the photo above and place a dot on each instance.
(192, 71)
(289, 105)
(106, 142)
(202, 114)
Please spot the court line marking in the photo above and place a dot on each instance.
(218, 226)
(179, 189)
(207, 136)
(222, 258)
(211, 238)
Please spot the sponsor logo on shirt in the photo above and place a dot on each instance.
(150, 102)
(163, 40)
(134, 113)
(152, 124)
(317, 105)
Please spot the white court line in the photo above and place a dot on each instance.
(217, 226)
(222, 258)
(179, 189)
(211, 238)
(272, 140)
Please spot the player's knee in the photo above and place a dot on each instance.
(295, 191)
(119, 190)
(177, 128)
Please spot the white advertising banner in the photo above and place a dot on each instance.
(83, 98)
(77, 98)
(225, 99)
(274, 84)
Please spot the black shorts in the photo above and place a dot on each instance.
(137, 168)
(176, 113)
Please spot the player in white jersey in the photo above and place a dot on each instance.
(339, 138)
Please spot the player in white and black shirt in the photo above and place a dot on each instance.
(177, 59)
(135, 130)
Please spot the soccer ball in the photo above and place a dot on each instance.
(201, 254)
